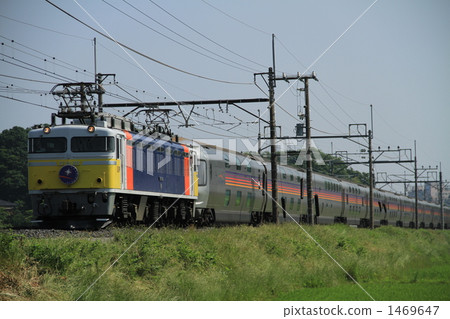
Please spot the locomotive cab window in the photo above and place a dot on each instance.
(47, 145)
(92, 144)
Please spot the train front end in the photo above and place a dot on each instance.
(72, 172)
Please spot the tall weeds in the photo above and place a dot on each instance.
(230, 263)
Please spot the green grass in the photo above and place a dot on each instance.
(384, 291)
(272, 262)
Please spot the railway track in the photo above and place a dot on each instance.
(56, 233)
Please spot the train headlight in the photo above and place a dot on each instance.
(47, 130)
(91, 129)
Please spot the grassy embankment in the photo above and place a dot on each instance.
(234, 263)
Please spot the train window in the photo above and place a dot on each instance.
(202, 173)
(291, 206)
(92, 144)
(292, 177)
(238, 164)
(284, 175)
(227, 197)
(238, 198)
(299, 201)
(249, 200)
(47, 145)
(117, 148)
(249, 168)
(226, 159)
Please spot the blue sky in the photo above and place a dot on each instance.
(396, 57)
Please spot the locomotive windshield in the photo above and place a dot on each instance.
(47, 145)
(92, 144)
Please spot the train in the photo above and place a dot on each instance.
(94, 172)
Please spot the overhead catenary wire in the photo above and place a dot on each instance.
(158, 78)
(344, 96)
(43, 72)
(206, 37)
(27, 79)
(145, 55)
(27, 102)
(51, 60)
(236, 19)
(237, 66)
(47, 56)
(290, 53)
(328, 109)
(46, 29)
(342, 109)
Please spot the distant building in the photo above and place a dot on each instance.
(430, 193)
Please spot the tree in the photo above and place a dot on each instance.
(13, 165)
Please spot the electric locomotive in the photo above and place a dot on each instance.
(92, 172)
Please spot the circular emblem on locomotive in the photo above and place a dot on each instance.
(68, 174)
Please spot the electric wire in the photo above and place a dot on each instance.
(42, 28)
(53, 58)
(342, 109)
(45, 55)
(145, 55)
(206, 37)
(290, 53)
(171, 39)
(45, 60)
(27, 102)
(344, 96)
(180, 107)
(26, 79)
(235, 19)
(330, 112)
(158, 78)
(52, 75)
(12, 88)
(242, 66)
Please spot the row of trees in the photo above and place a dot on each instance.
(14, 177)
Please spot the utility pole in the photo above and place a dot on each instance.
(416, 207)
(372, 219)
(308, 155)
(441, 199)
(371, 183)
(273, 146)
(271, 83)
(273, 136)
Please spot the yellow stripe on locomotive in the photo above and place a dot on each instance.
(91, 173)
